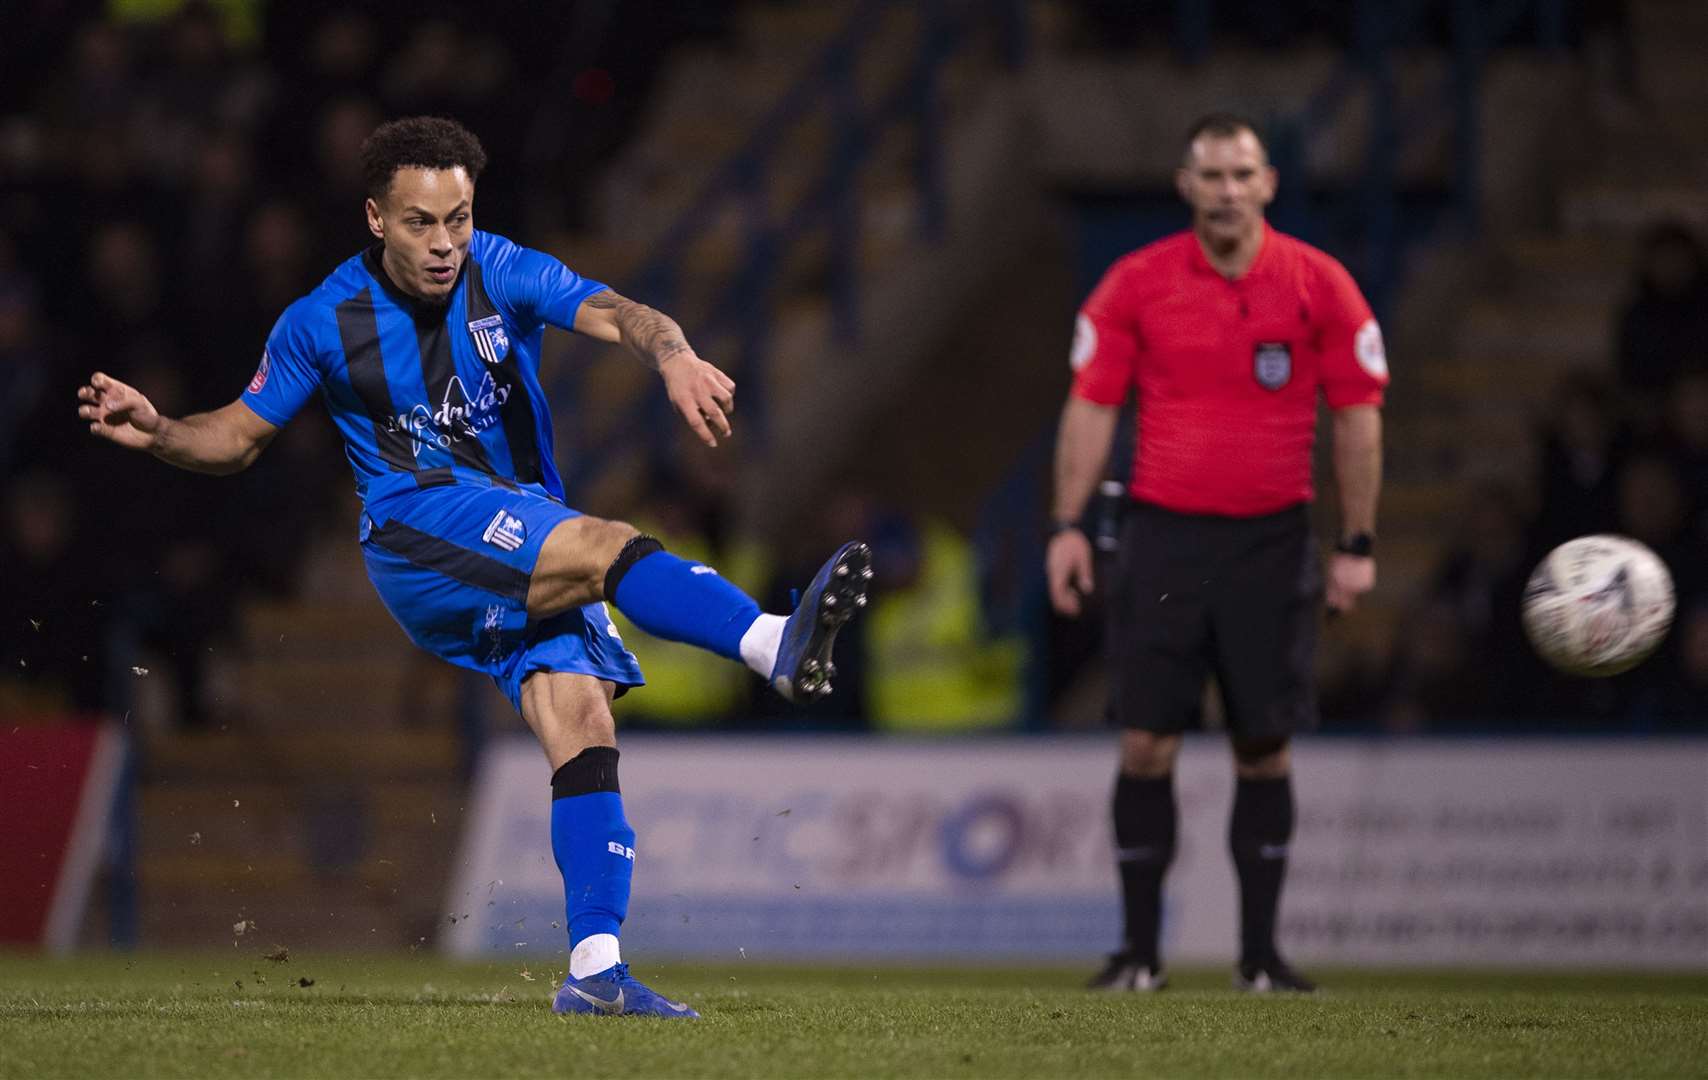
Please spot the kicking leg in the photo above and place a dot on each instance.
(573, 562)
(586, 559)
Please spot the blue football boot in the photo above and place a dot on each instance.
(614, 992)
(803, 669)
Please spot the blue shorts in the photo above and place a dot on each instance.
(453, 564)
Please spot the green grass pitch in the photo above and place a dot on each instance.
(238, 1013)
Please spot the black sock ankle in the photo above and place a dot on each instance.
(1258, 835)
(1144, 843)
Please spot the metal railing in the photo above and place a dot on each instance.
(740, 308)
(1467, 30)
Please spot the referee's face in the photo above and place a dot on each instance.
(1227, 180)
(425, 221)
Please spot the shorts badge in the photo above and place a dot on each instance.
(505, 532)
(1272, 364)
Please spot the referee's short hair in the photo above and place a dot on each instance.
(418, 142)
(1221, 125)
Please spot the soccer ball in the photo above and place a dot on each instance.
(1598, 605)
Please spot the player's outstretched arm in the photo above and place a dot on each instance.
(703, 395)
(224, 441)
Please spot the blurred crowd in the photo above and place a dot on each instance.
(170, 182)
(1620, 450)
(150, 230)
(172, 177)
(1261, 24)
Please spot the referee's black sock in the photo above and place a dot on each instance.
(1144, 846)
(1258, 834)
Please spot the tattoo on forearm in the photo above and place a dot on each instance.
(651, 334)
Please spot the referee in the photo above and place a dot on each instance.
(1226, 334)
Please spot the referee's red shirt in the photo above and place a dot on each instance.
(1227, 372)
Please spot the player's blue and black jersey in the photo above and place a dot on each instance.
(428, 394)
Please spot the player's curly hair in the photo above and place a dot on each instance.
(422, 142)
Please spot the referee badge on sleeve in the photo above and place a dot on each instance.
(1367, 347)
(1084, 343)
(1272, 364)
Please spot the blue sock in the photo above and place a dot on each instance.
(592, 843)
(678, 600)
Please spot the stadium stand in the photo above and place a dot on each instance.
(898, 261)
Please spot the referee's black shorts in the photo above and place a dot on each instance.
(1200, 595)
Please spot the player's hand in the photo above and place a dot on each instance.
(118, 413)
(1349, 577)
(703, 395)
(1067, 565)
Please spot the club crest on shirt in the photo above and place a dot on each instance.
(1272, 364)
(490, 340)
(260, 379)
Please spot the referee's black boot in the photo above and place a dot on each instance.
(1271, 976)
(1126, 972)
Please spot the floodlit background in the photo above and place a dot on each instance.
(879, 218)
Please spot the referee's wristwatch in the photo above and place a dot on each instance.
(1361, 544)
(1060, 526)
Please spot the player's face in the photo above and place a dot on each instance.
(1227, 180)
(425, 221)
